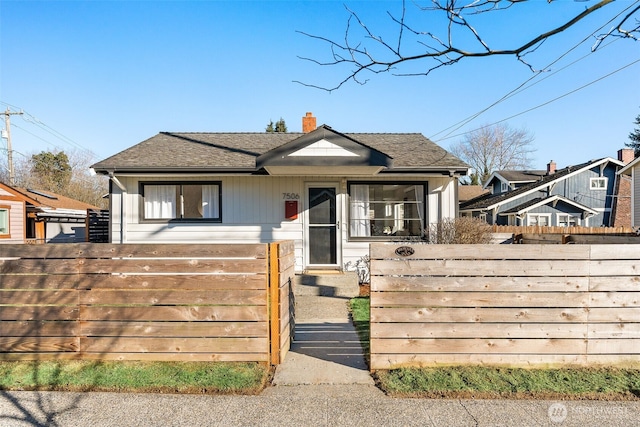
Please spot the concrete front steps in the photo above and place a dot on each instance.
(327, 283)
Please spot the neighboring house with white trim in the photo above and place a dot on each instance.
(330, 192)
(507, 180)
(580, 195)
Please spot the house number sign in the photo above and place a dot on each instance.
(404, 251)
(290, 196)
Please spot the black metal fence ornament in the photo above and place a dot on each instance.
(405, 251)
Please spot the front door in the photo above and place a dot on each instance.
(322, 226)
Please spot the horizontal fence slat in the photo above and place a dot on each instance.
(473, 330)
(131, 266)
(173, 345)
(481, 284)
(471, 315)
(176, 357)
(38, 344)
(474, 252)
(476, 299)
(40, 313)
(50, 297)
(39, 329)
(479, 345)
(480, 268)
(394, 361)
(614, 330)
(173, 329)
(174, 297)
(106, 250)
(176, 313)
(614, 346)
(182, 281)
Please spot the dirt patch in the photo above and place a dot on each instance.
(365, 290)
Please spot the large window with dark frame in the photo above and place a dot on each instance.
(386, 210)
(181, 201)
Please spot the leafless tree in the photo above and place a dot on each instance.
(82, 185)
(493, 148)
(363, 50)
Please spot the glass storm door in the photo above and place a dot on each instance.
(322, 229)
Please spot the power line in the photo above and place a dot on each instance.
(29, 118)
(547, 102)
(520, 88)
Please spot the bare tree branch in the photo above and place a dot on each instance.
(375, 55)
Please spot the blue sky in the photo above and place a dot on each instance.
(104, 75)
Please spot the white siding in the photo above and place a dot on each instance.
(253, 212)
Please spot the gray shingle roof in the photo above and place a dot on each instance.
(219, 151)
(521, 175)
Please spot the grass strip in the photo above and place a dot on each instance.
(158, 377)
(360, 315)
(478, 381)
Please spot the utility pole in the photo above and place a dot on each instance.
(7, 122)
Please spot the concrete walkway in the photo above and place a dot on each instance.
(325, 348)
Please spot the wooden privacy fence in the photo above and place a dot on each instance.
(520, 305)
(538, 229)
(202, 302)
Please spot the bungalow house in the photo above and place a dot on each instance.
(582, 195)
(330, 192)
(32, 216)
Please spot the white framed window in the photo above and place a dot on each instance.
(504, 187)
(182, 201)
(598, 183)
(386, 210)
(542, 220)
(568, 220)
(4, 222)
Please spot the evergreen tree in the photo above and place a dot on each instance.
(634, 137)
(279, 126)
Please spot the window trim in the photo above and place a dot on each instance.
(142, 184)
(6, 235)
(547, 215)
(425, 186)
(577, 217)
(592, 180)
(504, 187)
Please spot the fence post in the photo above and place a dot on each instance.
(274, 304)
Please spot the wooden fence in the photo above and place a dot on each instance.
(535, 229)
(144, 302)
(525, 305)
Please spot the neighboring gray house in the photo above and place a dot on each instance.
(582, 195)
(506, 180)
(329, 192)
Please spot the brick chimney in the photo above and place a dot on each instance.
(626, 155)
(308, 123)
(551, 167)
